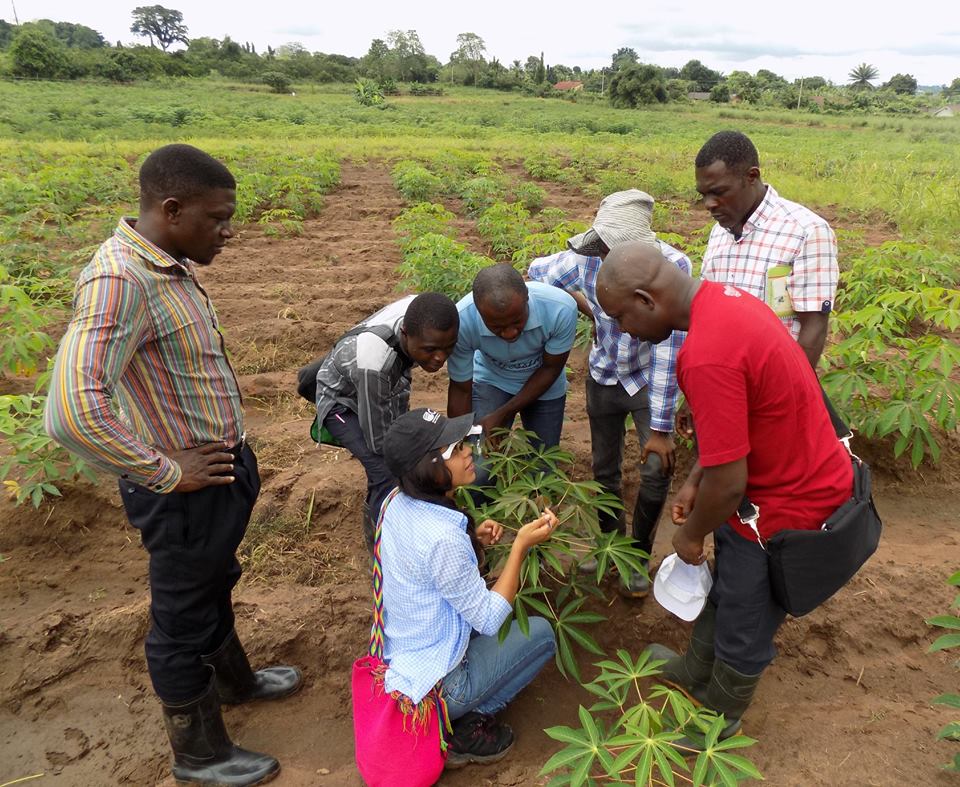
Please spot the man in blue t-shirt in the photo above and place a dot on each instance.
(514, 340)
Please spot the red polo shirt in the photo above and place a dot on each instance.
(753, 394)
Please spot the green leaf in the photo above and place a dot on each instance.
(945, 621)
(950, 700)
(945, 642)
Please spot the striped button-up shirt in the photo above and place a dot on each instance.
(142, 369)
(778, 232)
(433, 594)
(617, 357)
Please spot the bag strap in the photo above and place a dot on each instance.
(376, 631)
(445, 725)
(749, 513)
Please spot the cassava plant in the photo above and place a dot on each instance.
(892, 369)
(634, 735)
(950, 640)
(525, 479)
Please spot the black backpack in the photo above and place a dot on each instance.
(307, 376)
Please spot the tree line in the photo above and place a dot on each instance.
(62, 50)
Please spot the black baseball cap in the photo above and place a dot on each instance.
(416, 433)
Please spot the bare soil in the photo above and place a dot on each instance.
(847, 702)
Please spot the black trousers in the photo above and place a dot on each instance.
(748, 616)
(192, 539)
(345, 426)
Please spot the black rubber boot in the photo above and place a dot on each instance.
(729, 693)
(691, 672)
(478, 738)
(203, 752)
(238, 683)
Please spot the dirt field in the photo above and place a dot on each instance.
(846, 702)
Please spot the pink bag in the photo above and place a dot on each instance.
(398, 743)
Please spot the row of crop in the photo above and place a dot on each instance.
(53, 212)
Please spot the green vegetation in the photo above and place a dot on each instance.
(949, 641)
(69, 155)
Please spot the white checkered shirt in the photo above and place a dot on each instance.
(433, 594)
(778, 232)
(617, 357)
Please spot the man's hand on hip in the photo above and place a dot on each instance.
(206, 465)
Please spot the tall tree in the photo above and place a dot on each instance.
(35, 53)
(695, 71)
(163, 24)
(470, 51)
(635, 85)
(905, 84)
(624, 56)
(863, 75)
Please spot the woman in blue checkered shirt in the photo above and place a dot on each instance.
(440, 619)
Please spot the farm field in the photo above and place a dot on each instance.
(328, 232)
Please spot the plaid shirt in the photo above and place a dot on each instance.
(617, 357)
(778, 232)
(433, 594)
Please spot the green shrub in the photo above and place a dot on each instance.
(422, 219)
(891, 370)
(504, 226)
(277, 81)
(367, 93)
(415, 182)
(437, 263)
(542, 166)
(480, 193)
(949, 641)
(530, 195)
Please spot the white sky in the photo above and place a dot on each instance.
(822, 37)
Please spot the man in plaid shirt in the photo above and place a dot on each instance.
(775, 249)
(627, 376)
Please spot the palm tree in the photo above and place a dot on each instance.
(862, 76)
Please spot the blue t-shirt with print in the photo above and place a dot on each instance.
(481, 356)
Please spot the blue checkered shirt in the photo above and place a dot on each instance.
(617, 357)
(433, 594)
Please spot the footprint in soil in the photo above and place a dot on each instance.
(77, 747)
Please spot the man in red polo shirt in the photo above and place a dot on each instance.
(762, 431)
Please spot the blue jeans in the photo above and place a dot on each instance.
(491, 674)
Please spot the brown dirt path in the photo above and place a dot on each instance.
(846, 703)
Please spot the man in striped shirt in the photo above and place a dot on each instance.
(628, 377)
(142, 388)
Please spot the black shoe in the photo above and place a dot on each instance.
(238, 683)
(478, 738)
(203, 752)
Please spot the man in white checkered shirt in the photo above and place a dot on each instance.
(775, 249)
(627, 376)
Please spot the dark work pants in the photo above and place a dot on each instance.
(748, 617)
(607, 408)
(345, 426)
(192, 539)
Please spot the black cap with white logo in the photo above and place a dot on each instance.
(416, 433)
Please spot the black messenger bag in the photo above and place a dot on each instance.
(808, 566)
